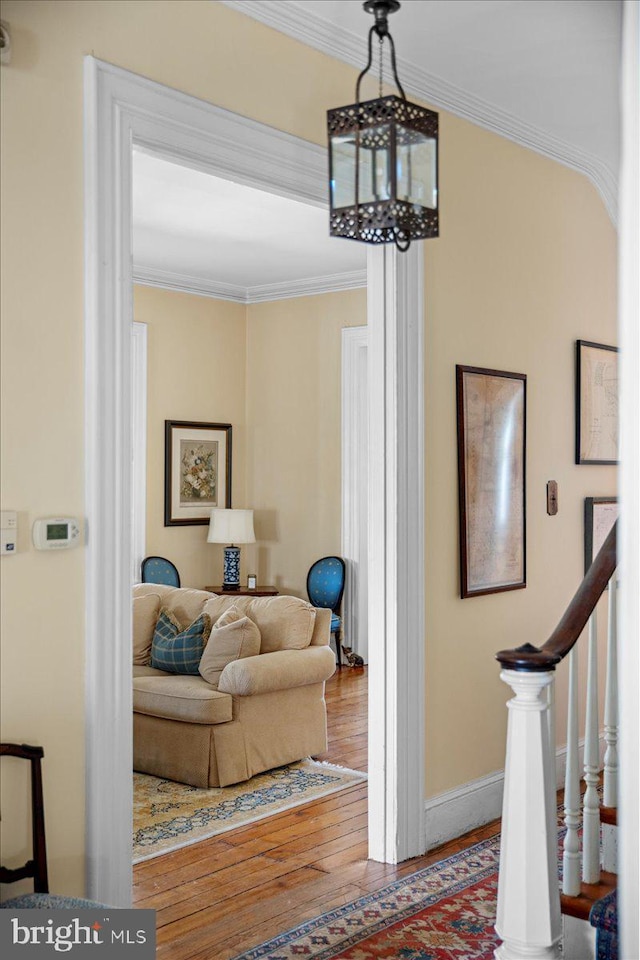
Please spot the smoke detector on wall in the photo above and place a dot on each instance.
(5, 42)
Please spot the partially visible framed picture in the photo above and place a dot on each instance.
(600, 514)
(197, 471)
(596, 403)
(491, 474)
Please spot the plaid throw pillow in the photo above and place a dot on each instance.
(175, 650)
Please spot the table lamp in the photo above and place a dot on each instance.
(231, 527)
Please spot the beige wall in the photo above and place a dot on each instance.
(294, 430)
(524, 267)
(525, 247)
(196, 371)
(273, 371)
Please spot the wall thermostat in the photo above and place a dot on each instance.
(56, 533)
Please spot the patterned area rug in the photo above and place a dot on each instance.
(444, 912)
(168, 815)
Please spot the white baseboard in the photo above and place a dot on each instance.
(578, 940)
(454, 812)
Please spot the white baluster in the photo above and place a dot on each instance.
(609, 831)
(611, 705)
(591, 835)
(528, 921)
(571, 846)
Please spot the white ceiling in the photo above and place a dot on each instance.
(197, 232)
(541, 72)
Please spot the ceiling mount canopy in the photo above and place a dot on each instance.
(383, 158)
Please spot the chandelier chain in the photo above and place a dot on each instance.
(380, 46)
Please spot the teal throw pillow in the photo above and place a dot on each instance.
(175, 650)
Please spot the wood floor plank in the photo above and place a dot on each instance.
(245, 940)
(222, 896)
(315, 840)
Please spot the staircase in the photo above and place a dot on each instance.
(537, 917)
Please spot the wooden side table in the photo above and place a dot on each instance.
(244, 591)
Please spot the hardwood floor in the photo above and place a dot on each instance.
(220, 897)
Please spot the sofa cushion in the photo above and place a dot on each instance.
(145, 615)
(233, 637)
(285, 623)
(144, 671)
(231, 615)
(184, 603)
(177, 650)
(186, 698)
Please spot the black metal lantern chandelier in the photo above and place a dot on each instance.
(383, 159)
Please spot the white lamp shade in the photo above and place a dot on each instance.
(231, 526)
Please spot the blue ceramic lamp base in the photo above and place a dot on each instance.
(231, 577)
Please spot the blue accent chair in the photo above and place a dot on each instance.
(325, 586)
(159, 570)
(36, 867)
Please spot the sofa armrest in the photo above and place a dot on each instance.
(279, 670)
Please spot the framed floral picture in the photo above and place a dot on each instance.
(197, 471)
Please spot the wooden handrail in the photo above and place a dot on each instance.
(532, 659)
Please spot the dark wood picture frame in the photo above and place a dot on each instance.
(491, 513)
(596, 404)
(200, 442)
(600, 513)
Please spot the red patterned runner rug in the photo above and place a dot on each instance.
(445, 912)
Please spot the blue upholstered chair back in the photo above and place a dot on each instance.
(325, 583)
(159, 570)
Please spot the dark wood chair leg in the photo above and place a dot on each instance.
(40, 879)
(338, 648)
(36, 867)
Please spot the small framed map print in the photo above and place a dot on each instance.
(491, 475)
(596, 403)
(197, 471)
(600, 514)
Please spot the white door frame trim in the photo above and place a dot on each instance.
(139, 447)
(122, 109)
(355, 403)
(395, 313)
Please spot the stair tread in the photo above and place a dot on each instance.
(590, 893)
(609, 815)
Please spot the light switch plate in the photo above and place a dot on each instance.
(8, 532)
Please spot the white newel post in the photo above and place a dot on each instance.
(528, 921)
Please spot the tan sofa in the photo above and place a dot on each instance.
(266, 711)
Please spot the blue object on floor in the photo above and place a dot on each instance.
(160, 570)
(325, 586)
(604, 917)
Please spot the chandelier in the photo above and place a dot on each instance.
(383, 158)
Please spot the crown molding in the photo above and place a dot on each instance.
(333, 283)
(261, 293)
(184, 283)
(344, 45)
